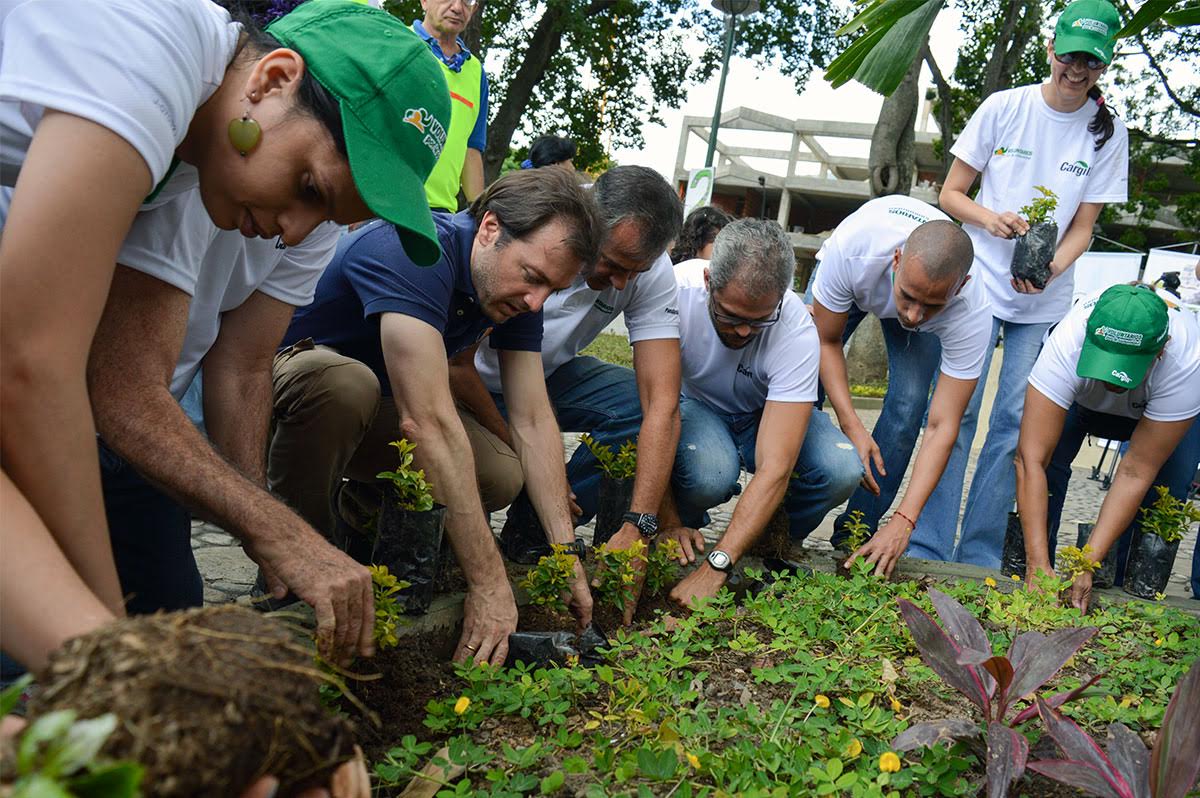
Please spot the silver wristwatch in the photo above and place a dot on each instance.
(719, 561)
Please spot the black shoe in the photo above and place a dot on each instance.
(523, 540)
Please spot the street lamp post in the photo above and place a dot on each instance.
(731, 9)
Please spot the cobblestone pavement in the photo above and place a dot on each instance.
(229, 574)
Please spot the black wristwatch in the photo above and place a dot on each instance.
(575, 549)
(646, 523)
(719, 561)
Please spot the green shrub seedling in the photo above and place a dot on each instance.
(547, 581)
(412, 491)
(1168, 517)
(1039, 209)
(621, 465)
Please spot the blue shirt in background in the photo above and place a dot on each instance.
(370, 274)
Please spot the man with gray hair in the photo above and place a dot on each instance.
(908, 264)
(750, 358)
(642, 216)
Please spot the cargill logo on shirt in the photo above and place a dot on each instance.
(1016, 152)
(602, 306)
(1115, 336)
(1078, 168)
(745, 372)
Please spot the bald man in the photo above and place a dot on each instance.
(905, 262)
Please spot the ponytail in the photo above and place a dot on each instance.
(1101, 125)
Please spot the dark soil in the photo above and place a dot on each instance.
(208, 701)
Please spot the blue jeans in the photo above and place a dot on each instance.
(1175, 474)
(993, 489)
(601, 399)
(714, 447)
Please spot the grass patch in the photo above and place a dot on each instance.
(877, 388)
(611, 348)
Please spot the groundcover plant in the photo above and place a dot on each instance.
(798, 690)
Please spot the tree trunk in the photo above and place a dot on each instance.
(473, 35)
(544, 43)
(1022, 22)
(891, 161)
(945, 109)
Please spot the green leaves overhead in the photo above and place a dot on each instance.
(894, 33)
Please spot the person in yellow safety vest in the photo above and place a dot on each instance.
(461, 162)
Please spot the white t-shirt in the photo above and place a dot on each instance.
(223, 268)
(1017, 142)
(139, 69)
(856, 268)
(780, 365)
(1170, 392)
(573, 318)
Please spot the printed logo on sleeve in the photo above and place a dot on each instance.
(1016, 152)
(1115, 336)
(1078, 168)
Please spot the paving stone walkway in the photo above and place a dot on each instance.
(229, 574)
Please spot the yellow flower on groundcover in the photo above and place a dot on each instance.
(461, 705)
(989, 582)
(1016, 577)
(854, 749)
(889, 762)
(694, 761)
(822, 701)
(896, 705)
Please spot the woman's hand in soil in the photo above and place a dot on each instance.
(869, 454)
(580, 601)
(1081, 592)
(690, 541)
(885, 547)
(1006, 225)
(489, 617)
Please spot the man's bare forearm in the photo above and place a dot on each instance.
(1032, 506)
(658, 439)
(237, 415)
(836, 382)
(539, 446)
(468, 390)
(753, 510)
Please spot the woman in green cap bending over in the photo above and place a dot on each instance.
(1124, 366)
(112, 107)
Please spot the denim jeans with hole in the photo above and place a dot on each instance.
(714, 447)
(993, 489)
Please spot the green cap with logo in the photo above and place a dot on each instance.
(1126, 330)
(394, 103)
(1088, 26)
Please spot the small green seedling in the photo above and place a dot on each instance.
(621, 465)
(412, 491)
(1168, 517)
(58, 755)
(389, 615)
(547, 581)
(1039, 208)
(858, 532)
(1074, 561)
(662, 566)
(617, 575)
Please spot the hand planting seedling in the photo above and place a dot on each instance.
(1073, 561)
(1034, 250)
(412, 492)
(616, 577)
(549, 580)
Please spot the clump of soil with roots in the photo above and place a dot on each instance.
(208, 701)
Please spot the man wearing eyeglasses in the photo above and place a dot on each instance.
(905, 262)
(461, 161)
(750, 358)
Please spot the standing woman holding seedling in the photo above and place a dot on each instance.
(112, 107)
(1059, 135)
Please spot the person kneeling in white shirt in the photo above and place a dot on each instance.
(749, 365)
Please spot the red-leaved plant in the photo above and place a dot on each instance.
(961, 654)
(1125, 769)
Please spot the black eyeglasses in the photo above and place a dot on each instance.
(738, 321)
(1091, 62)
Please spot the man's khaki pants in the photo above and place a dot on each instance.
(330, 422)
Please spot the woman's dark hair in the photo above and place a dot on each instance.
(549, 150)
(1101, 125)
(700, 228)
(313, 99)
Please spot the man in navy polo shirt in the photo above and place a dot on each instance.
(381, 325)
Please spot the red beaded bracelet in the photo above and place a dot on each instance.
(911, 523)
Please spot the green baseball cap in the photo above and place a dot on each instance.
(394, 102)
(1126, 330)
(1088, 26)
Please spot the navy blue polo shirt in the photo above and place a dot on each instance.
(370, 275)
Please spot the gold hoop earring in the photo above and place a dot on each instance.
(244, 134)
